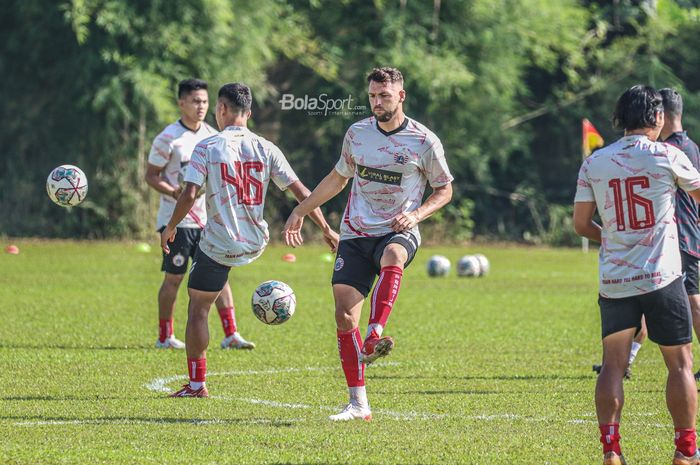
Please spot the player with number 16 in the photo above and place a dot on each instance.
(632, 184)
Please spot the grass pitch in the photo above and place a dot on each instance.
(493, 370)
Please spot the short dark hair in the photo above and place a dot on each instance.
(385, 74)
(637, 107)
(237, 95)
(190, 85)
(673, 102)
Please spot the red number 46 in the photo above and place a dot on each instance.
(634, 201)
(244, 181)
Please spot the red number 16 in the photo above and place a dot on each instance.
(633, 201)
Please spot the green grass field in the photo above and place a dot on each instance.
(485, 371)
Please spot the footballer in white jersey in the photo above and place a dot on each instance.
(632, 185)
(167, 161)
(390, 159)
(171, 151)
(236, 167)
(390, 172)
(633, 182)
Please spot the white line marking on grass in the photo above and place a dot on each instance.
(160, 385)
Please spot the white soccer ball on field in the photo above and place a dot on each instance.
(438, 266)
(273, 302)
(484, 264)
(468, 266)
(67, 185)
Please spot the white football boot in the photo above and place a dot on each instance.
(236, 341)
(352, 412)
(170, 343)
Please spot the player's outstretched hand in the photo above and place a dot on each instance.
(331, 238)
(168, 235)
(292, 230)
(404, 221)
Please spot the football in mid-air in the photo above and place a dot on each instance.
(273, 302)
(67, 185)
(468, 266)
(438, 266)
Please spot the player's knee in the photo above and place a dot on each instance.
(173, 280)
(344, 318)
(394, 255)
(678, 358)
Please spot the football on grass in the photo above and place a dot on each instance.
(468, 266)
(67, 185)
(438, 266)
(273, 302)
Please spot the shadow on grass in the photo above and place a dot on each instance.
(60, 398)
(73, 347)
(40, 421)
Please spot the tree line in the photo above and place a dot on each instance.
(503, 83)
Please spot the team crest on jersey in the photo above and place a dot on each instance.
(178, 260)
(400, 158)
(339, 263)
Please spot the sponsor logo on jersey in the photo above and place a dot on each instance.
(377, 175)
(339, 263)
(178, 260)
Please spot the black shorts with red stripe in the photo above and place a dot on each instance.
(357, 262)
(181, 250)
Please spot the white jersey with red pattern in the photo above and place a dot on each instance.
(390, 172)
(633, 183)
(237, 166)
(171, 150)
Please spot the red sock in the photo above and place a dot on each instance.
(165, 329)
(198, 369)
(349, 346)
(685, 441)
(610, 437)
(228, 320)
(385, 293)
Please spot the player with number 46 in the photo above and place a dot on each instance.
(235, 166)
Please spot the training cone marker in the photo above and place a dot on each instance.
(290, 257)
(12, 249)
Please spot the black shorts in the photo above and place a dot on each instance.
(357, 262)
(206, 274)
(690, 273)
(666, 310)
(181, 250)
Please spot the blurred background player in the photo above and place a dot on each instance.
(390, 157)
(236, 166)
(632, 184)
(169, 156)
(686, 207)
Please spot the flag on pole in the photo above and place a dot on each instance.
(591, 138)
